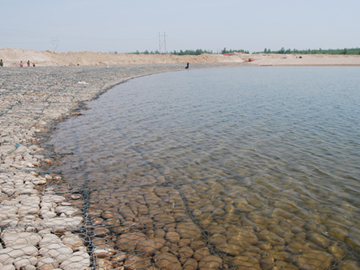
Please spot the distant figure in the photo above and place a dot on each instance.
(1, 63)
(33, 64)
(21, 64)
(187, 65)
(28, 63)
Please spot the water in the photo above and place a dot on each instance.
(261, 164)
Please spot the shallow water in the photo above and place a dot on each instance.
(260, 163)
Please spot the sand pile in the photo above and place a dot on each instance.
(12, 58)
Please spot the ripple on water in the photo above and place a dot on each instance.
(245, 167)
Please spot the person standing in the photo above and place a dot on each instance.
(1, 63)
(187, 65)
(28, 63)
(21, 64)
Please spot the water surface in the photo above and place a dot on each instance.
(261, 164)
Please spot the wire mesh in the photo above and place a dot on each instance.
(152, 227)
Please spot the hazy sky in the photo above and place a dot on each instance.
(127, 26)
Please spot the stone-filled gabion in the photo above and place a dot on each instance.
(42, 227)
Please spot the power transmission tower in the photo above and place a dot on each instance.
(159, 43)
(55, 43)
(162, 44)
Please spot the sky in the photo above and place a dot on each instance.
(134, 25)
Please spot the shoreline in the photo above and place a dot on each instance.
(36, 222)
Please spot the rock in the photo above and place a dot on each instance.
(48, 239)
(216, 229)
(190, 264)
(8, 255)
(314, 259)
(101, 232)
(338, 233)
(271, 237)
(146, 247)
(159, 242)
(28, 209)
(58, 251)
(159, 234)
(264, 245)
(129, 241)
(22, 238)
(207, 208)
(97, 221)
(59, 224)
(217, 238)
(185, 252)
(197, 244)
(77, 260)
(211, 261)
(164, 218)
(258, 218)
(104, 252)
(267, 263)
(53, 198)
(104, 264)
(8, 267)
(74, 241)
(76, 196)
(200, 253)
(282, 213)
(119, 257)
(172, 236)
(137, 262)
(353, 242)
(188, 231)
(337, 251)
(69, 211)
(8, 211)
(184, 242)
(167, 261)
(25, 261)
(29, 267)
(46, 263)
(233, 250)
(245, 262)
(348, 265)
(12, 222)
(318, 239)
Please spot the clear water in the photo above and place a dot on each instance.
(271, 151)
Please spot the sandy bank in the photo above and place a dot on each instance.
(12, 58)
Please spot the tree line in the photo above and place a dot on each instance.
(351, 51)
(191, 52)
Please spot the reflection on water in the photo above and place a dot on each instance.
(247, 168)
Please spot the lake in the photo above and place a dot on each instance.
(245, 168)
